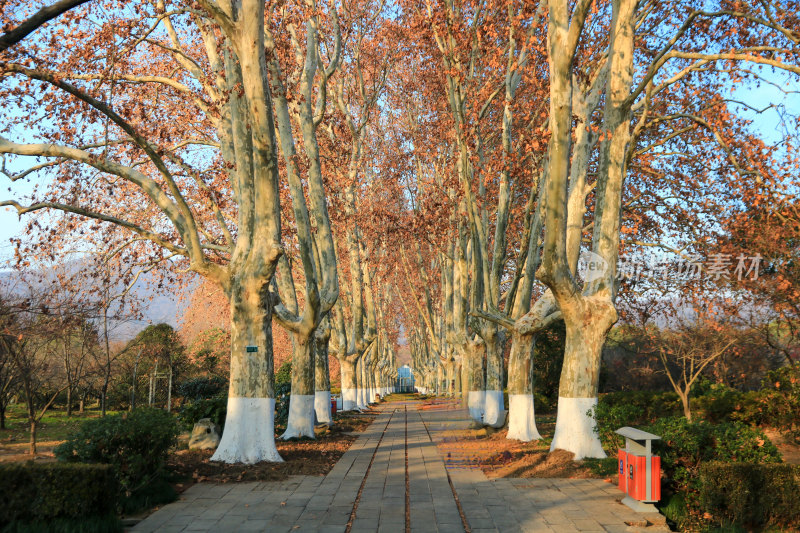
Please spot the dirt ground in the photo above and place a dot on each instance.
(788, 449)
(301, 457)
(10, 453)
(497, 456)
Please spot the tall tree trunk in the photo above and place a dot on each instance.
(459, 383)
(301, 401)
(687, 406)
(249, 434)
(474, 352)
(349, 384)
(521, 420)
(322, 377)
(449, 372)
(494, 409)
(363, 392)
(587, 322)
(2, 416)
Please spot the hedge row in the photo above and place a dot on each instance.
(52, 491)
(751, 495)
(136, 445)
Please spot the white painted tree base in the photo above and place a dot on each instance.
(494, 412)
(322, 406)
(301, 417)
(521, 420)
(249, 434)
(361, 399)
(348, 399)
(475, 401)
(575, 429)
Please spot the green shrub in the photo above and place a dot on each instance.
(777, 404)
(51, 491)
(719, 403)
(214, 408)
(136, 444)
(751, 494)
(284, 374)
(618, 409)
(202, 388)
(781, 389)
(609, 418)
(542, 403)
(685, 446)
(752, 409)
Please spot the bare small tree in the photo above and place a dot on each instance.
(686, 351)
(37, 326)
(9, 382)
(27, 336)
(75, 345)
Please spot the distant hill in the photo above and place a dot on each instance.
(157, 304)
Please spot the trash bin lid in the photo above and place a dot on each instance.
(636, 434)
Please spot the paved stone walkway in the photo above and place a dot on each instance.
(535, 505)
(393, 479)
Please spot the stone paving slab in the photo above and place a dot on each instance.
(535, 504)
(368, 485)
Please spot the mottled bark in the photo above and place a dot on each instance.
(251, 325)
(520, 364)
(587, 322)
(248, 436)
(474, 378)
(322, 376)
(302, 421)
(349, 383)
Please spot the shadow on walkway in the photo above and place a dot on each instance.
(393, 479)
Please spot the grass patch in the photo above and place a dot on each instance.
(674, 509)
(602, 467)
(54, 426)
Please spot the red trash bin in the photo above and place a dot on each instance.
(637, 466)
(622, 457)
(637, 478)
(633, 476)
(333, 406)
